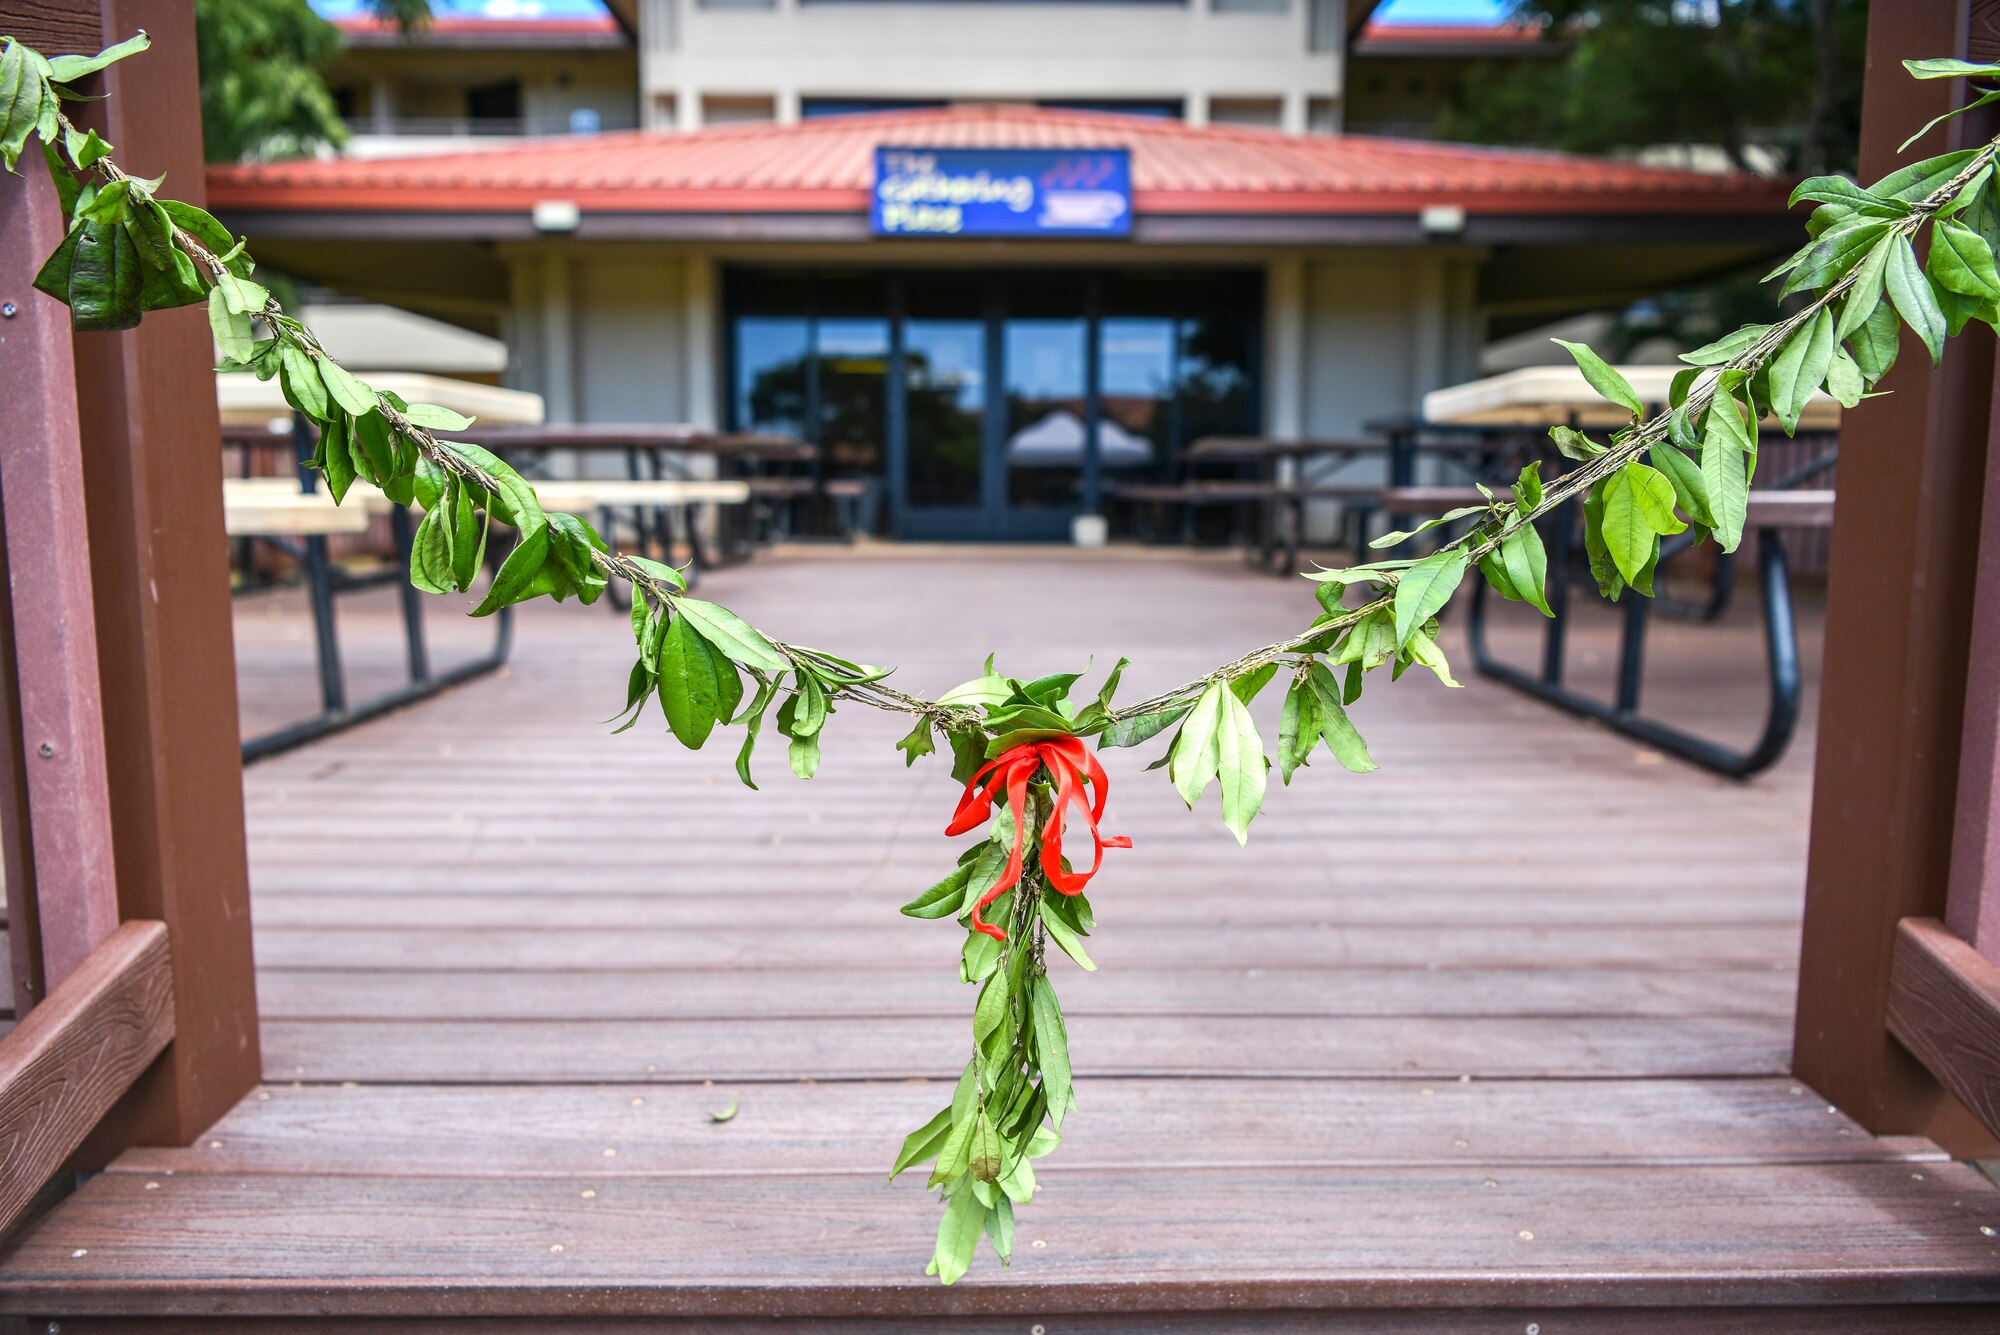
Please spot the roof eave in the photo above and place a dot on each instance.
(1210, 226)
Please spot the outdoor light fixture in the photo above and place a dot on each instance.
(1442, 219)
(556, 215)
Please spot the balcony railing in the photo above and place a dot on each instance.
(489, 127)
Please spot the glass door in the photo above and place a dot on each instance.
(1044, 451)
(939, 408)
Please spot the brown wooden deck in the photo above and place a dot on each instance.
(1500, 1032)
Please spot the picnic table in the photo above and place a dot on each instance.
(1535, 399)
(666, 451)
(292, 514)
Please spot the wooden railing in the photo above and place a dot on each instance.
(121, 822)
(75, 1055)
(1899, 987)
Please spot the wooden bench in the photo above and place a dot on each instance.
(1770, 514)
(277, 510)
(1272, 533)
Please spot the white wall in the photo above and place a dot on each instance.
(789, 50)
(1381, 329)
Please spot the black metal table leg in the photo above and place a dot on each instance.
(416, 651)
(1781, 673)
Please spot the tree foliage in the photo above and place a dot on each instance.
(1783, 76)
(263, 94)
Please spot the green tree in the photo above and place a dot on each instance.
(262, 94)
(1783, 76)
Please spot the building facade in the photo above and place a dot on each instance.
(993, 386)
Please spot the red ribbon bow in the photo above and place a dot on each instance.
(1072, 765)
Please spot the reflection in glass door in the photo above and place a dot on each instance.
(944, 374)
(1044, 449)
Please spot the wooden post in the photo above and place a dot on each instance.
(1912, 472)
(159, 564)
(68, 901)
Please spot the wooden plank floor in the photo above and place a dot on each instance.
(1498, 1034)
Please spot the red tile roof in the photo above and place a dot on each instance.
(473, 32)
(826, 166)
(1451, 34)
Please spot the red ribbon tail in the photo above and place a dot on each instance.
(1017, 776)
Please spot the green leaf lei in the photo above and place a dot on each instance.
(128, 251)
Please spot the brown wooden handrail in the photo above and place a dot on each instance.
(1944, 1006)
(77, 1053)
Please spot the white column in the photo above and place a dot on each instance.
(785, 106)
(559, 397)
(1285, 346)
(687, 107)
(1195, 108)
(1293, 118)
(700, 328)
(382, 105)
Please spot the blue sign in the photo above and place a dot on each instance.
(1002, 192)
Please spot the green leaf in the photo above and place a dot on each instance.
(1725, 442)
(430, 558)
(1240, 763)
(1843, 380)
(734, 636)
(942, 900)
(1728, 347)
(1000, 1228)
(917, 742)
(1839, 190)
(85, 150)
(1910, 293)
(1942, 68)
(1449, 516)
(958, 1237)
(1961, 261)
(1638, 510)
(336, 461)
(753, 719)
(1426, 587)
(923, 1143)
(1051, 1047)
(348, 392)
(992, 1008)
(727, 1112)
(1527, 562)
(241, 295)
(1528, 487)
(110, 203)
(1342, 739)
(1573, 444)
(804, 756)
(1603, 378)
(1835, 252)
(1800, 368)
(1141, 727)
(1936, 121)
(1866, 293)
(68, 69)
(104, 279)
(20, 101)
(516, 577)
(1690, 490)
(1298, 728)
(1195, 758)
(433, 418)
(982, 1150)
(1066, 937)
(303, 386)
(692, 688)
(53, 277)
(1876, 342)
(202, 226)
(1424, 652)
